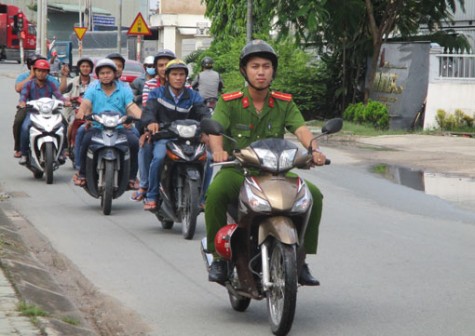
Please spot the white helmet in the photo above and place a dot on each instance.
(149, 60)
(105, 62)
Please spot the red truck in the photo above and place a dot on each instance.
(13, 25)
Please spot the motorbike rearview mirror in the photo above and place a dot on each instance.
(332, 126)
(212, 127)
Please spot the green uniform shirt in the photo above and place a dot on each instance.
(236, 113)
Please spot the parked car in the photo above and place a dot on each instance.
(132, 70)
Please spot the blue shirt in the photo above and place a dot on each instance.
(118, 101)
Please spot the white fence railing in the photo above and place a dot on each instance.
(456, 66)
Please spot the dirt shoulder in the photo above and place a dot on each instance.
(437, 154)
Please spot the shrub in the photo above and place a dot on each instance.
(374, 113)
(457, 120)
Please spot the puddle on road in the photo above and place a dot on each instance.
(455, 189)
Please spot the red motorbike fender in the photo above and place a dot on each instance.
(281, 228)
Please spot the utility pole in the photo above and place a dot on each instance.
(44, 26)
(119, 29)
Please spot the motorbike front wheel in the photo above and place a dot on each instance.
(108, 190)
(48, 157)
(282, 296)
(191, 208)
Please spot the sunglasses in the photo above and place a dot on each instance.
(149, 65)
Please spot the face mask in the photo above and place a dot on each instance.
(151, 71)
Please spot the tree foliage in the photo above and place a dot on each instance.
(345, 32)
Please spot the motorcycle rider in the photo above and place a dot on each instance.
(21, 112)
(138, 83)
(255, 113)
(160, 62)
(169, 102)
(76, 88)
(119, 61)
(79, 84)
(107, 95)
(38, 87)
(208, 82)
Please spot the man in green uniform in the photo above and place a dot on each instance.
(253, 114)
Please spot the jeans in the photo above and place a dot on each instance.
(133, 143)
(77, 146)
(208, 174)
(25, 134)
(159, 152)
(145, 158)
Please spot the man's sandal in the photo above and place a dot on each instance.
(139, 195)
(78, 180)
(150, 205)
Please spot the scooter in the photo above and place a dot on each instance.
(108, 160)
(267, 226)
(47, 136)
(182, 176)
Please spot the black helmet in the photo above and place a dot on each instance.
(176, 64)
(32, 59)
(85, 59)
(165, 53)
(261, 49)
(105, 62)
(118, 56)
(207, 62)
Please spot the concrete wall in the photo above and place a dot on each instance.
(182, 7)
(446, 93)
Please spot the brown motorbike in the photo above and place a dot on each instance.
(267, 226)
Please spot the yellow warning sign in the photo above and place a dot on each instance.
(80, 31)
(139, 26)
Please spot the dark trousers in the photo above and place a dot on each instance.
(19, 117)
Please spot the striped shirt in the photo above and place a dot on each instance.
(148, 87)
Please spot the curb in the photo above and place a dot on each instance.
(31, 283)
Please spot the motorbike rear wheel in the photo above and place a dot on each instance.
(191, 209)
(282, 296)
(108, 190)
(48, 157)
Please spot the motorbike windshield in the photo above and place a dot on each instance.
(275, 155)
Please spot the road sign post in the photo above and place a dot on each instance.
(80, 31)
(139, 28)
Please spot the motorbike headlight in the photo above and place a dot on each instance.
(46, 107)
(267, 158)
(258, 204)
(270, 161)
(304, 202)
(286, 159)
(109, 120)
(186, 131)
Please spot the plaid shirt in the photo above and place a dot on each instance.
(32, 91)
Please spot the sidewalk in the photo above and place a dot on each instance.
(24, 279)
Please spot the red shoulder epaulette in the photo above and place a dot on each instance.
(281, 95)
(232, 95)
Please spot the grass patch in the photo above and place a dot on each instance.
(70, 320)
(379, 169)
(30, 310)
